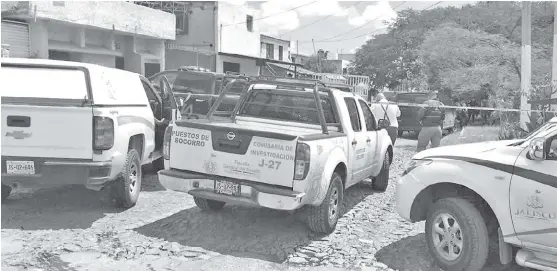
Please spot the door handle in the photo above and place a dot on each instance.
(354, 142)
(368, 140)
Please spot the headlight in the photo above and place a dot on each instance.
(414, 163)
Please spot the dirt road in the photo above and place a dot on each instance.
(75, 229)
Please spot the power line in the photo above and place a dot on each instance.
(354, 29)
(272, 15)
(316, 21)
(366, 34)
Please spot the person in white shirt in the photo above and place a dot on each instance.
(387, 111)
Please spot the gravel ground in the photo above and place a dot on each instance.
(72, 229)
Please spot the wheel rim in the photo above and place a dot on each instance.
(333, 205)
(447, 236)
(133, 177)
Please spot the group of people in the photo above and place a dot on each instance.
(430, 116)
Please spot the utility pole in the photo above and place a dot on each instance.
(554, 64)
(297, 57)
(526, 67)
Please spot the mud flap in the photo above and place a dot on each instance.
(505, 249)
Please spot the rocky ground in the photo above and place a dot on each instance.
(72, 229)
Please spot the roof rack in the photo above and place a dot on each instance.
(286, 81)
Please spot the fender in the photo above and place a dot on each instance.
(335, 157)
(495, 192)
(385, 142)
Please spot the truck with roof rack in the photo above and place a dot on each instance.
(289, 143)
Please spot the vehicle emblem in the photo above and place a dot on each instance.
(18, 134)
(230, 135)
(535, 201)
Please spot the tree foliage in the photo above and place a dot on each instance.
(473, 51)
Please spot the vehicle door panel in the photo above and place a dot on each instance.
(372, 139)
(357, 144)
(533, 199)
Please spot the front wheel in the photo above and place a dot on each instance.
(324, 218)
(381, 182)
(456, 235)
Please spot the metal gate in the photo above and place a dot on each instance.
(16, 35)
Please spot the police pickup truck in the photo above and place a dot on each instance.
(473, 196)
(280, 150)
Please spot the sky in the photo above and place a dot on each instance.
(335, 26)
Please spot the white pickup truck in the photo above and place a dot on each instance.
(76, 123)
(280, 150)
(475, 195)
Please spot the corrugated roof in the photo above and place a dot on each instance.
(291, 68)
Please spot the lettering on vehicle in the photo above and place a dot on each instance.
(360, 153)
(272, 164)
(273, 151)
(241, 168)
(189, 138)
(535, 209)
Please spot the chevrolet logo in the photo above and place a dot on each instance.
(18, 134)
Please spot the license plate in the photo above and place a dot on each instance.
(20, 167)
(227, 188)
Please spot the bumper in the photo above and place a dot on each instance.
(407, 189)
(55, 172)
(250, 193)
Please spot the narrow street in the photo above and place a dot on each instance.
(71, 229)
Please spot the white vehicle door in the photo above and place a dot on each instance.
(533, 195)
(371, 140)
(358, 147)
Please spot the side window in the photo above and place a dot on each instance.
(354, 114)
(552, 148)
(368, 116)
(149, 91)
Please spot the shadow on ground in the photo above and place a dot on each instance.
(412, 253)
(64, 207)
(244, 231)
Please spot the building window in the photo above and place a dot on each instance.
(182, 23)
(280, 52)
(230, 67)
(119, 63)
(270, 51)
(249, 23)
(293, 60)
(58, 55)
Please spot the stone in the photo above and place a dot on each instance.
(380, 265)
(204, 257)
(314, 260)
(190, 254)
(297, 260)
(321, 254)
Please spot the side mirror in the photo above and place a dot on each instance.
(537, 149)
(382, 124)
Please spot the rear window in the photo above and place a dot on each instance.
(287, 107)
(188, 82)
(401, 98)
(43, 83)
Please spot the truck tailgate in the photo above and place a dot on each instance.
(235, 151)
(47, 131)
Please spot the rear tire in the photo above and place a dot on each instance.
(6, 190)
(381, 182)
(469, 242)
(126, 190)
(208, 205)
(324, 218)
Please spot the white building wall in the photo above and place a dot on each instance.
(276, 43)
(234, 35)
(115, 16)
(248, 66)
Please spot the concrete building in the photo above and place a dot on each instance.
(117, 34)
(217, 36)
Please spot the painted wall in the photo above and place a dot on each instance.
(276, 43)
(234, 35)
(130, 18)
(247, 66)
(202, 30)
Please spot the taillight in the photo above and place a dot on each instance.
(103, 133)
(166, 143)
(301, 167)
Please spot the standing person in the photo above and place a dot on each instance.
(390, 112)
(431, 117)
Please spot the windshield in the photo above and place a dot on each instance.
(188, 82)
(285, 106)
(542, 131)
